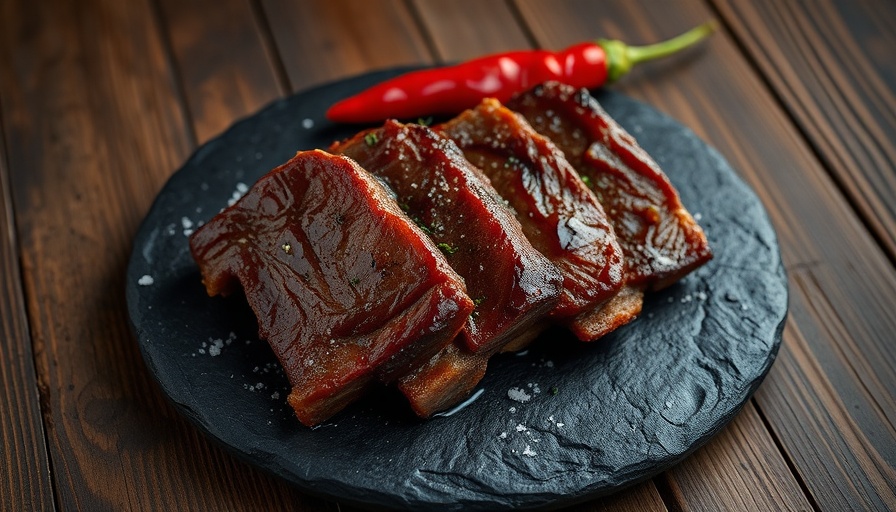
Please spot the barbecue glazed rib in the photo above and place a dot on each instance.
(346, 289)
(559, 214)
(660, 239)
(512, 284)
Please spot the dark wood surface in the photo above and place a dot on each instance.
(100, 101)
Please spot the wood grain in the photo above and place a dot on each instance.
(831, 63)
(839, 438)
(25, 481)
(455, 39)
(368, 38)
(740, 469)
(220, 86)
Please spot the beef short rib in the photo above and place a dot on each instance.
(512, 284)
(660, 239)
(347, 290)
(559, 214)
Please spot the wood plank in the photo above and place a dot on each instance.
(88, 93)
(643, 497)
(25, 482)
(454, 38)
(830, 430)
(831, 62)
(370, 36)
(220, 86)
(714, 91)
(740, 469)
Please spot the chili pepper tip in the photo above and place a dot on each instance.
(621, 57)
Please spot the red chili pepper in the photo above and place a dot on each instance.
(451, 89)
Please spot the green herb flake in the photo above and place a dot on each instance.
(478, 301)
(587, 181)
(424, 121)
(422, 225)
(371, 139)
(554, 390)
(354, 281)
(446, 248)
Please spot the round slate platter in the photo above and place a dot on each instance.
(600, 416)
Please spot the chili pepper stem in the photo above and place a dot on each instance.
(621, 57)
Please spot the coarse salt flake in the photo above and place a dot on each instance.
(518, 395)
(146, 280)
(529, 452)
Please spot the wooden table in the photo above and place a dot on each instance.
(101, 100)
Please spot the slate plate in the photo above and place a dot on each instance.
(601, 416)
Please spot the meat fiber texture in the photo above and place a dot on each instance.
(660, 240)
(559, 214)
(346, 289)
(512, 284)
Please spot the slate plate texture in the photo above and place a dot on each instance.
(600, 416)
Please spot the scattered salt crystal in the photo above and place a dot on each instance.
(698, 216)
(214, 350)
(561, 424)
(146, 280)
(201, 351)
(518, 395)
(242, 188)
(512, 409)
(307, 123)
(668, 404)
(701, 296)
(521, 428)
(186, 223)
(275, 395)
(529, 452)
(502, 435)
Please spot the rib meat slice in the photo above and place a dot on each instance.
(512, 284)
(453, 202)
(559, 214)
(345, 287)
(660, 240)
